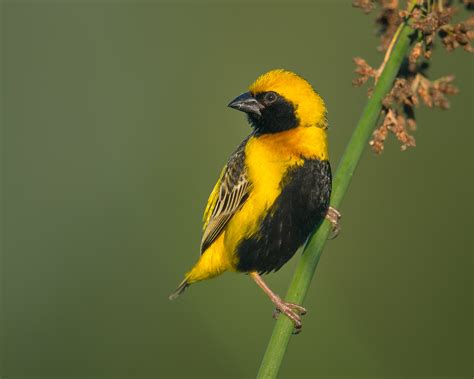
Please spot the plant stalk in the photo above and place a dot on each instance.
(312, 252)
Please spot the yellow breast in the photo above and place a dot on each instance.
(268, 157)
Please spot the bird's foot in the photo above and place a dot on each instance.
(333, 216)
(292, 311)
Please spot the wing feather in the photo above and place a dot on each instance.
(228, 195)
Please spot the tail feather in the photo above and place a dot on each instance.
(183, 285)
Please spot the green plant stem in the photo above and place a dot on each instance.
(307, 265)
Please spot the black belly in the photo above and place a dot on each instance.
(298, 210)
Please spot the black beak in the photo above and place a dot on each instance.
(246, 103)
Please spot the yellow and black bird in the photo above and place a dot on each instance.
(274, 190)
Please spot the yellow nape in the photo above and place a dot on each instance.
(310, 107)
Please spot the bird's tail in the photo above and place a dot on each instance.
(178, 291)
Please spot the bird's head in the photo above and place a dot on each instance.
(280, 100)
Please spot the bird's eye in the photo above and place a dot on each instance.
(270, 97)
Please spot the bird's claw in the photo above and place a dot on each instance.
(333, 216)
(290, 310)
(293, 312)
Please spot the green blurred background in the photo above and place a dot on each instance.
(115, 127)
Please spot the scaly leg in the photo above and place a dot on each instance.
(290, 310)
(333, 216)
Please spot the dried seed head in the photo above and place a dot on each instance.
(411, 123)
(415, 53)
(458, 35)
(430, 23)
(390, 4)
(396, 124)
(399, 129)
(366, 5)
(424, 92)
(364, 70)
(380, 135)
(411, 87)
(401, 93)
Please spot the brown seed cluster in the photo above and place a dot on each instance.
(364, 70)
(437, 23)
(432, 20)
(399, 126)
(387, 19)
(366, 5)
(458, 35)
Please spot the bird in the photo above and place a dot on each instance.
(274, 190)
